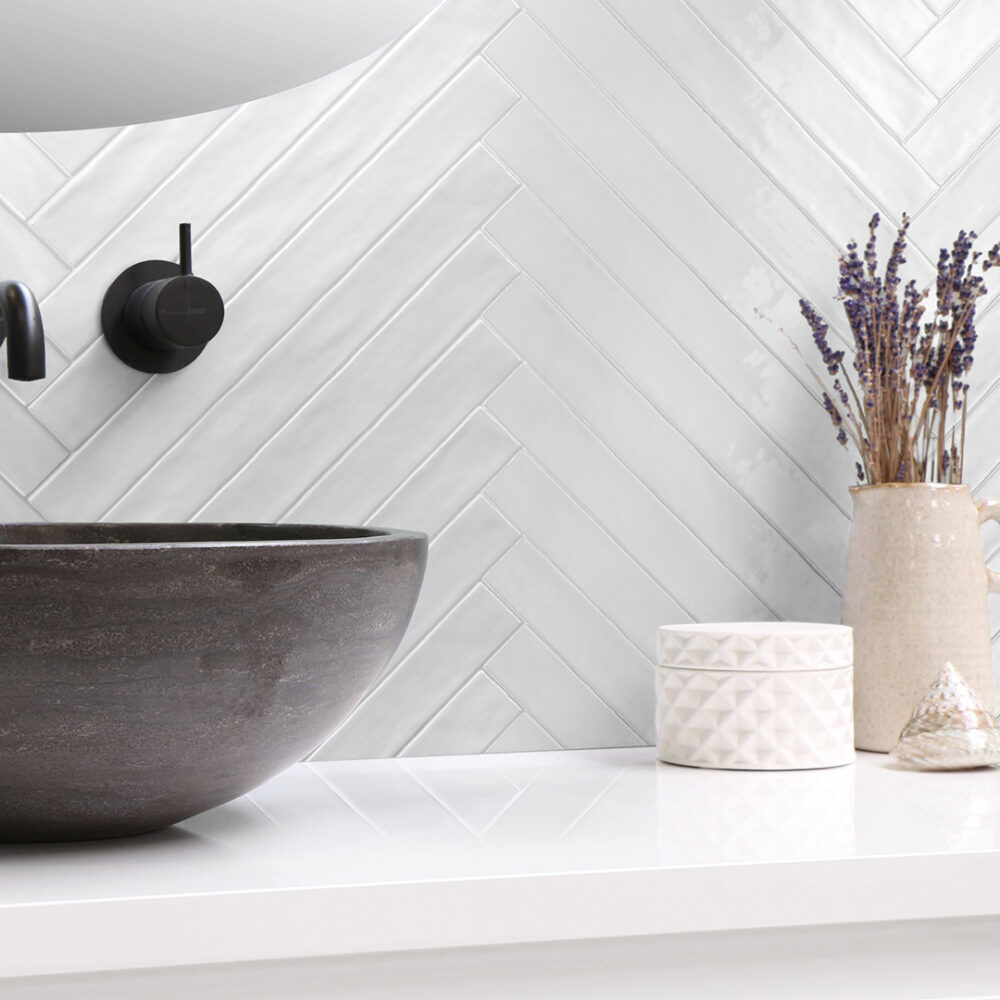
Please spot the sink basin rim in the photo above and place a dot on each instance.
(313, 535)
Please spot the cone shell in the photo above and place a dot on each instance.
(949, 730)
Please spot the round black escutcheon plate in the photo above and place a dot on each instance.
(129, 350)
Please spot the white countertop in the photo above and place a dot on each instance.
(348, 857)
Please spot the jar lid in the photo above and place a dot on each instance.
(756, 646)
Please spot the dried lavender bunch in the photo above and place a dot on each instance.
(904, 404)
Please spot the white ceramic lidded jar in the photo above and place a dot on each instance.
(755, 695)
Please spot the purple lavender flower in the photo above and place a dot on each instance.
(831, 358)
(909, 372)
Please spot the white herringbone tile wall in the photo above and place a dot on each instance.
(500, 282)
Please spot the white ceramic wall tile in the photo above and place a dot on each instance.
(72, 149)
(13, 506)
(469, 723)
(28, 175)
(582, 549)
(531, 586)
(752, 116)
(500, 282)
(702, 154)
(653, 448)
(88, 393)
(556, 697)
(969, 198)
(949, 47)
(961, 122)
(457, 470)
(30, 258)
(459, 558)
(940, 6)
(845, 125)
(659, 276)
(522, 735)
(987, 380)
(266, 479)
(93, 201)
(900, 24)
(635, 516)
(409, 697)
(359, 483)
(663, 368)
(863, 60)
(28, 450)
(348, 137)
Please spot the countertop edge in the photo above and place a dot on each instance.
(107, 935)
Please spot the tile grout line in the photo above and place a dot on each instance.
(337, 372)
(599, 263)
(821, 147)
(823, 61)
(399, 666)
(725, 481)
(358, 442)
(599, 527)
(391, 669)
(440, 710)
(562, 659)
(642, 307)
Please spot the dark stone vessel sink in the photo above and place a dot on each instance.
(151, 671)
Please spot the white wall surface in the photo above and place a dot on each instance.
(499, 283)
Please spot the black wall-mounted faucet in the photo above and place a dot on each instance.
(23, 331)
(158, 316)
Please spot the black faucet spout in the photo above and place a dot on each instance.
(23, 331)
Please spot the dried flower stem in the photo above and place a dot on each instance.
(908, 375)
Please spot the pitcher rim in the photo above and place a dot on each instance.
(908, 486)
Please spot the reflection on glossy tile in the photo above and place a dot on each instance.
(476, 798)
(768, 817)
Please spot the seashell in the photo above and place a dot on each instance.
(950, 729)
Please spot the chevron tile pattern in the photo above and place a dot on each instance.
(502, 282)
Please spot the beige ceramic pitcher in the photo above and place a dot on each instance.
(916, 596)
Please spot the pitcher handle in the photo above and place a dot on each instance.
(989, 510)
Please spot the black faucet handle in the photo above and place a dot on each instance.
(185, 234)
(158, 316)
